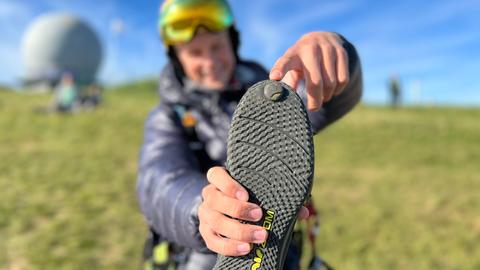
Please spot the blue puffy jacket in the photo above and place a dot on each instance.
(171, 174)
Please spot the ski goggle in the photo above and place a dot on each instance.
(179, 19)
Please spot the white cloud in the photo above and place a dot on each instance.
(13, 9)
(418, 42)
(14, 16)
(144, 58)
(269, 31)
(407, 17)
(316, 13)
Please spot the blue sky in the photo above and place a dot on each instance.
(433, 48)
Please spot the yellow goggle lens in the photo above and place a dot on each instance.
(179, 19)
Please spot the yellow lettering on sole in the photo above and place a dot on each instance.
(259, 253)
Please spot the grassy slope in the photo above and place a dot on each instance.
(396, 189)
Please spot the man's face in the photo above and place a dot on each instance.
(208, 58)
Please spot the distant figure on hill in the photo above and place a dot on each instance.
(395, 91)
(91, 96)
(66, 93)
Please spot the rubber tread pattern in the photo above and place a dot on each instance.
(270, 152)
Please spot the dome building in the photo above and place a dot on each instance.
(58, 43)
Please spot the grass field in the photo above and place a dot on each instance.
(396, 189)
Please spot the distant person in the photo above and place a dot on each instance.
(91, 96)
(395, 91)
(186, 135)
(66, 93)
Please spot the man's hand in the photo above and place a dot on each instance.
(321, 61)
(223, 200)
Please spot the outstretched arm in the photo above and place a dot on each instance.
(330, 67)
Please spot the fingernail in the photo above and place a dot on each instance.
(276, 74)
(260, 235)
(241, 195)
(256, 213)
(243, 248)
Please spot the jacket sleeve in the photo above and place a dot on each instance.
(339, 105)
(169, 182)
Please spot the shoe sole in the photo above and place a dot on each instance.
(270, 152)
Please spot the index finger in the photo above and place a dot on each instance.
(283, 65)
(222, 180)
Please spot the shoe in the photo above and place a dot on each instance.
(270, 152)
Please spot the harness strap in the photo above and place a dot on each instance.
(313, 229)
(188, 121)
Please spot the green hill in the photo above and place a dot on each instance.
(396, 189)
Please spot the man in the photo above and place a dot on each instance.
(189, 201)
